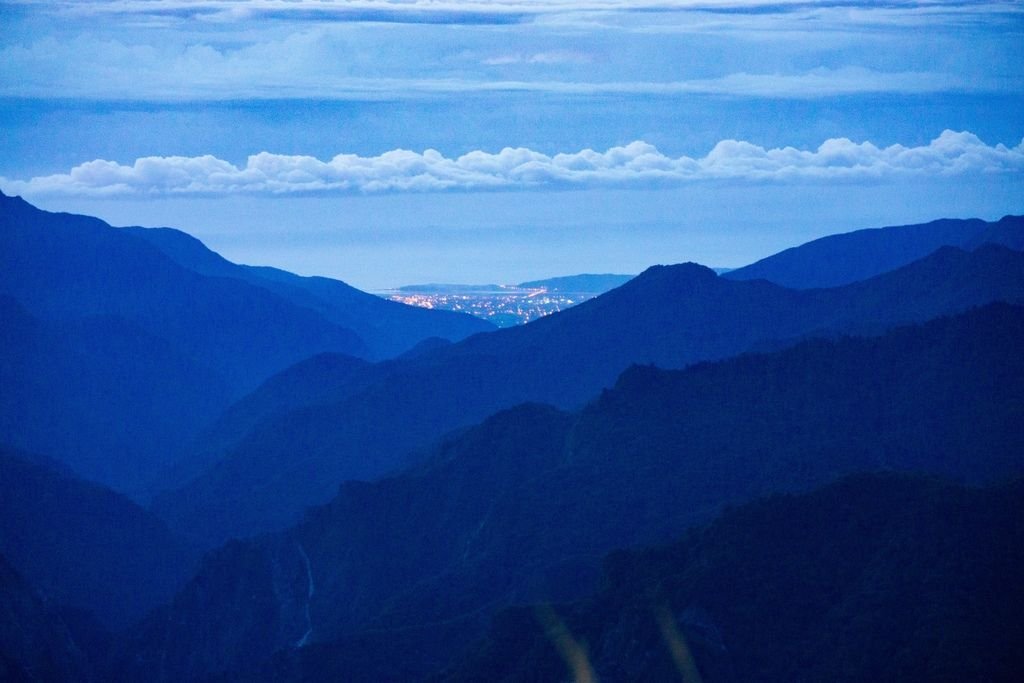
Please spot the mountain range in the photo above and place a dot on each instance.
(841, 259)
(643, 486)
(670, 316)
(896, 578)
(84, 546)
(35, 642)
(522, 507)
(181, 330)
(386, 327)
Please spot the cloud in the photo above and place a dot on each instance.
(632, 165)
(319, 64)
(221, 50)
(645, 15)
(416, 10)
(550, 57)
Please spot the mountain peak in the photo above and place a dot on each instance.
(666, 279)
(185, 250)
(850, 257)
(10, 202)
(679, 272)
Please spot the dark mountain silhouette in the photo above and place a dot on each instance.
(36, 645)
(110, 400)
(428, 345)
(120, 345)
(392, 579)
(305, 384)
(173, 335)
(670, 316)
(62, 266)
(389, 328)
(875, 578)
(85, 546)
(1009, 232)
(841, 259)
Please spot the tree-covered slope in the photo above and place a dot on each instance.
(875, 578)
(670, 316)
(86, 547)
(116, 323)
(36, 646)
(522, 507)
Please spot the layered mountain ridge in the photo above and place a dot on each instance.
(841, 259)
(388, 328)
(35, 643)
(454, 481)
(670, 316)
(85, 546)
(188, 333)
(522, 507)
(896, 578)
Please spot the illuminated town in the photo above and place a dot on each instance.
(507, 305)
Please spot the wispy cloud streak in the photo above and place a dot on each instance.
(632, 165)
(222, 50)
(482, 11)
(314, 65)
(303, 7)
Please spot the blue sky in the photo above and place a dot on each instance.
(387, 142)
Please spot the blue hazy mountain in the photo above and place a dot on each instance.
(66, 267)
(84, 546)
(305, 384)
(877, 577)
(841, 259)
(35, 642)
(115, 373)
(388, 327)
(121, 345)
(670, 316)
(110, 400)
(1008, 232)
(391, 579)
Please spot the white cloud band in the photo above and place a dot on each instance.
(635, 164)
(374, 9)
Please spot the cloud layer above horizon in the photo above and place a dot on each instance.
(636, 164)
(226, 10)
(223, 50)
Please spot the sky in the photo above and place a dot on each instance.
(391, 142)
